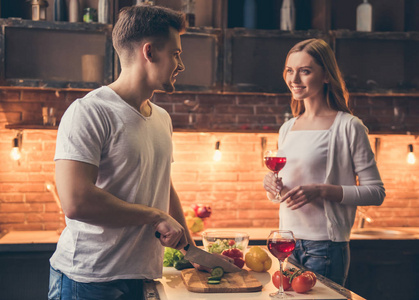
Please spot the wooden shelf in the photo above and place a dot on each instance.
(22, 126)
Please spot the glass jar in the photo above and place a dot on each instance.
(89, 15)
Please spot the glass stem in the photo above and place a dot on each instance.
(281, 281)
(278, 195)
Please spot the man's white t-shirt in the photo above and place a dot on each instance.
(133, 154)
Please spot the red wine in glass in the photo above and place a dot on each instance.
(281, 249)
(281, 243)
(275, 164)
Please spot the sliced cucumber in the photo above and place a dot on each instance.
(214, 278)
(217, 272)
(214, 281)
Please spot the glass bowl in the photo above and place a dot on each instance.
(218, 241)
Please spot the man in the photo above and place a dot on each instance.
(113, 159)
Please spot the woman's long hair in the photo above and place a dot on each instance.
(337, 96)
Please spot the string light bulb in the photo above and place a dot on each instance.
(411, 159)
(15, 153)
(217, 153)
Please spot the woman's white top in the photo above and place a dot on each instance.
(306, 153)
(350, 163)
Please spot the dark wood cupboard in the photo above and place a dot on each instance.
(220, 54)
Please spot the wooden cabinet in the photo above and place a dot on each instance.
(384, 269)
(229, 58)
(254, 59)
(24, 271)
(50, 54)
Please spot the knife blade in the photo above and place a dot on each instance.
(206, 259)
(209, 260)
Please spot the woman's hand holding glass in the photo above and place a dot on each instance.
(273, 186)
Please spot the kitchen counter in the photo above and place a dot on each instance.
(258, 236)
(373, 257)
(171, 287)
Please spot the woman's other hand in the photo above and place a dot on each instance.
(301, 195)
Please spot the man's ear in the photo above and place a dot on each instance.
(148, 50)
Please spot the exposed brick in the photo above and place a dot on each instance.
(232, 186)
(11, 218)
(214, 99)
(11, 198)
(257, 99)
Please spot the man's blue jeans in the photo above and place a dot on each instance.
(63, 288)
(327, 258)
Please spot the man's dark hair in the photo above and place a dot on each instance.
(139, 22)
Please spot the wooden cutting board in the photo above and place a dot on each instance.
(240, 282)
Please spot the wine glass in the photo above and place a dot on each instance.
(275, 160)
(281, 243)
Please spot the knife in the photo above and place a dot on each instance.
(206, 259)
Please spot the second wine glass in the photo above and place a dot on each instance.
(281, 243)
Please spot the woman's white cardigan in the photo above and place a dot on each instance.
(349, 157)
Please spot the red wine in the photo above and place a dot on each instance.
(281, 249)
(275, 164)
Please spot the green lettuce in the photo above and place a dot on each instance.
(171, 256)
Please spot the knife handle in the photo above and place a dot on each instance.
(158, 235)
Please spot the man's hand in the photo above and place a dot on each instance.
(172, 234)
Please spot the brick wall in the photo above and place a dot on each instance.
(232, 186)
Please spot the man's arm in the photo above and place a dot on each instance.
(176, 211)
(82, 200)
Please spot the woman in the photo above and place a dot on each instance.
(330, 167)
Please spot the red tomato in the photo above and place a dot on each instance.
(239, 262)
(231, 242)
(285, 281)
(302, 283)
(236, 254)
(313, 276)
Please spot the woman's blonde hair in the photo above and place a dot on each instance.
(337, 96)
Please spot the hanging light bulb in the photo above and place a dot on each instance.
(16, 145)
(217, 152)
(411, 159)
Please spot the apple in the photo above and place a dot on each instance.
(203, 211)
(195, 207)
(198, 225)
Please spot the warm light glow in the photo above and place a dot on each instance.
(411, 159)
(15, 153)
(49, 186)
(217, 155)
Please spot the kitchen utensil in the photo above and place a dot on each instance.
(239, 282)
(205, 259)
